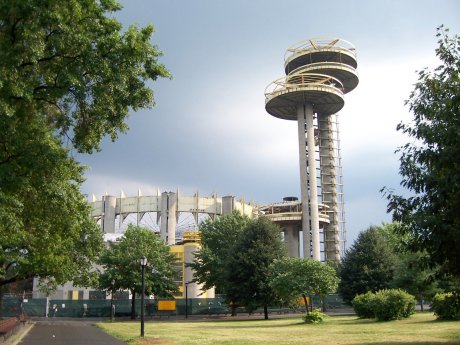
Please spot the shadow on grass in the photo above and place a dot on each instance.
(411, 343)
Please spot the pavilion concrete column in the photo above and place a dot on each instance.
(109, 215)
(291, 240)
(228, 204)
(168, 217)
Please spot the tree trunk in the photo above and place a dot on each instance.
(1, 301)
(421, 301)
(133, 305)
(311, 303)
(266, 312)
(305, 300)
(323, 304)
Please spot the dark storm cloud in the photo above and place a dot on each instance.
(209, 130)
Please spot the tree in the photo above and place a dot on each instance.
(218, 238)
(121, 264)
(412, 275)
(71, 64)
(248, 277)
(429, 163)
(367, 266)
(295, 277)
(68, 77)
(45, 225)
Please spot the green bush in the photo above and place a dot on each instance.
(384, 305)
(393, 304)
(316, 316)
(363, 305)
(446, 306)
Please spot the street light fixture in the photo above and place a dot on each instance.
(143, 264)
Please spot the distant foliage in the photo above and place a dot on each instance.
(384, 305)
(446, 306)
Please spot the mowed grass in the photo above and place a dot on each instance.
(421, 328)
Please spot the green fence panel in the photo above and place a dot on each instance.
(122, 307)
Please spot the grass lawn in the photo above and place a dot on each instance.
(421, 328)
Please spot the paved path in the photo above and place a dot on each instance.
(67, 333)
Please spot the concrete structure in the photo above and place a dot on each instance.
(318, 74)
(184, 254)
(167, 206)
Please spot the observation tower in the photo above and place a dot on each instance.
(318, 74)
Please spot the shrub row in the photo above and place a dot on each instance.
(384, 305)
(446, 306)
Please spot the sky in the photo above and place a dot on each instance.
(209, 131)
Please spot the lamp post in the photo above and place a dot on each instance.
(186, 299)
(143, 264)
(111, 301)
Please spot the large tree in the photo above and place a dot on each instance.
(121, 264)
(248, 277)
(71, 63)
(45, 227)
(430, 164)
(367, 266)
(412, 275)
(292, 278)
(69, 75)
(218, 238)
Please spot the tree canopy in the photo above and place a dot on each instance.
(69, 75)
(234, 257)
(429, 162)
(367, 266)
(121, 264)
(45, 227)
(248, 278)
(295, 277)
(72, 64)
(218, 239)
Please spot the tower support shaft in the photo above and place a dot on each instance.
(308, 183)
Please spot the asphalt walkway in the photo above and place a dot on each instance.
(68, 332)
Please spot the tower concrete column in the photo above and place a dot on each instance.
(304, 182)
(328, 169)
(309, 192)
(314, 211)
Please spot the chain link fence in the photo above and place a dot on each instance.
(42, 307)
